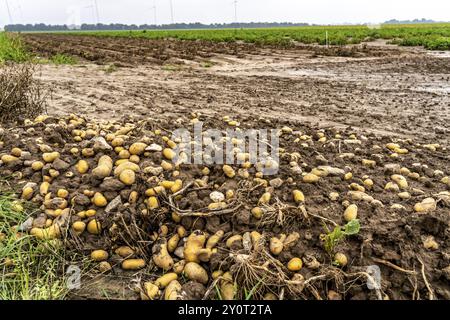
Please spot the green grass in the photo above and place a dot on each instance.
(11, 49)
(431, 36)
(60, 59)
(29, 270)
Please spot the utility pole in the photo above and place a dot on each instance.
(171, 11)
(154, 12)
(9, 12)
(96, 11)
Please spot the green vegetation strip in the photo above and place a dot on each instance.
(29, 270)
(432, 36)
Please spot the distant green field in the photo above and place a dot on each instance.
(431, 36)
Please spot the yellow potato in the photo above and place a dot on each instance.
(137, 148)
(351, 212)
(169, 154)
(196, 272)
(194, 243)
(299, 197)
(172, 291)
(49, 233)
(104, 168)
(37, 165)
(124, 251)
(126, 166)
(161, 256)
(99, 200)
(295, 264)
(50, 156)
(94, 227)
(82, 166)
(99, 255)
(311, 178)
(133, 264)
(128, 177)
(229, 171)
(164, 280)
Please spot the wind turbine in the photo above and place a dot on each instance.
(9, 12)
(154, 12)
(92, 10)
(96, 11)
(171, 10)
(235, 10)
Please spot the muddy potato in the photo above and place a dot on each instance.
(227, 288)
(150, 291)
(104, 267)
(276, 246)
(104, 168)
(351, 212)
(340, 259)
(161, 256)
(196, 272)
(127, 177)
(133, 264)
(214, 239)
(233, 239)
(173, 291)
(99, 255)
(194, 243)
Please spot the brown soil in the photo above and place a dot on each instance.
(381, 94)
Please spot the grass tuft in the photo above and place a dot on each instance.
(11, 49)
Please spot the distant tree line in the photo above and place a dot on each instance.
(119, 26)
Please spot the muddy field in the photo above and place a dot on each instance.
(370, 122)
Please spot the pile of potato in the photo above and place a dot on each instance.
(95, 181)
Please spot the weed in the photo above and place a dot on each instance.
(339, 233)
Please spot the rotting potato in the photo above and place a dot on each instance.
(196, 272)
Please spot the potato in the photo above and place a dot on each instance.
(167, 166)
(204, 255)
(227, 288)
(169, 154)
(291, 240)
(257, 212)
(99, 200)
(137, 148)
(49, 233)
(37, 165)
(265, 198)
(172, 244)
(340, 259)
(299, 197)
(50, 156)
(27, 193)
(82, 166)
(79, 226)
(62, 193)
(151, 291)
(179, 266)
(194, 243)
(164, 280)
(172, 291)
(348, 176)
(133, 264)
(177, 186)
(124, 252)
(7, 159)
(351, 212)
(126, 166)
(256, 238)
(16, 152)
(99, 255)
(214, 239)
(427, 205)
(368, 183)
(430, 244)
(368, 163)
(94, 227)
(152, 203)
(104, 168)
(310, 178)
(161, 256)
(400, 180)
(128, 177)
(233, 239)
(276, 246)
(295, 264)
(229, 171)
(196, 272)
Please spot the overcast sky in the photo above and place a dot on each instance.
(210, 11)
